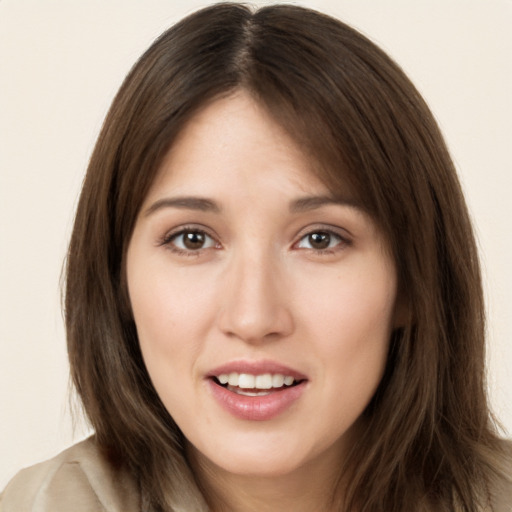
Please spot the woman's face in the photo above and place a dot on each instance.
(263, 304)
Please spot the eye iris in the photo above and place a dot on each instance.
(319, 240)
(193, 239)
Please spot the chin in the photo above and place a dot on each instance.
(262, 456)
(259, 465)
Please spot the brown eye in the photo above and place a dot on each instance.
(319, 240)
(191, 240)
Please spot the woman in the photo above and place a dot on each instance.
(273, 297)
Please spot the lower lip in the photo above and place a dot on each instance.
(256, 408)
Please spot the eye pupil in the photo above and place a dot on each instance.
(320, 240)
(193, 240)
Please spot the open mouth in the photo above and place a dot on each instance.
(257, 391)
(255, 385)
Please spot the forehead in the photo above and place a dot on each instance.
(233, 141)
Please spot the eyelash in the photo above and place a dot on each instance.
(169, 239)
(343, 241)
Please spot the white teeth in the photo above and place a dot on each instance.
(263, 381)
(277, 380)
(224, 378)
(248, 381)
(288, 381)
(244, 392)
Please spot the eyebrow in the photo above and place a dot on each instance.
(305, 204)
(301, 205)
(187, 203)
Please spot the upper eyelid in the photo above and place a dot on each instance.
(343, 233)
(327, 228)
(189, 227)
(179, 230)
(345, 237)
(342, 240)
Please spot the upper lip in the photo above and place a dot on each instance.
(256, 368)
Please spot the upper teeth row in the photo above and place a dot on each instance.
(248, 381)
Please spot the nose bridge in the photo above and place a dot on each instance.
(254, 306)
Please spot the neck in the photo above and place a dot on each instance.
(311, 488)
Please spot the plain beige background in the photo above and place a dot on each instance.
(61, 62)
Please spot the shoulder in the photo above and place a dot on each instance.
(79, 479)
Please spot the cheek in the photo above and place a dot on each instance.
(350, 323)
(165, 334)
(354, 305)
(171, 312)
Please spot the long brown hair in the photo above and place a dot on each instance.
(429, 442)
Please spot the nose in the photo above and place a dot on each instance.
(254, 304)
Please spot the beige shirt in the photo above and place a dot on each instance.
(80, 479)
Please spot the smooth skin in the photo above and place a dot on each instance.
(228, 261)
